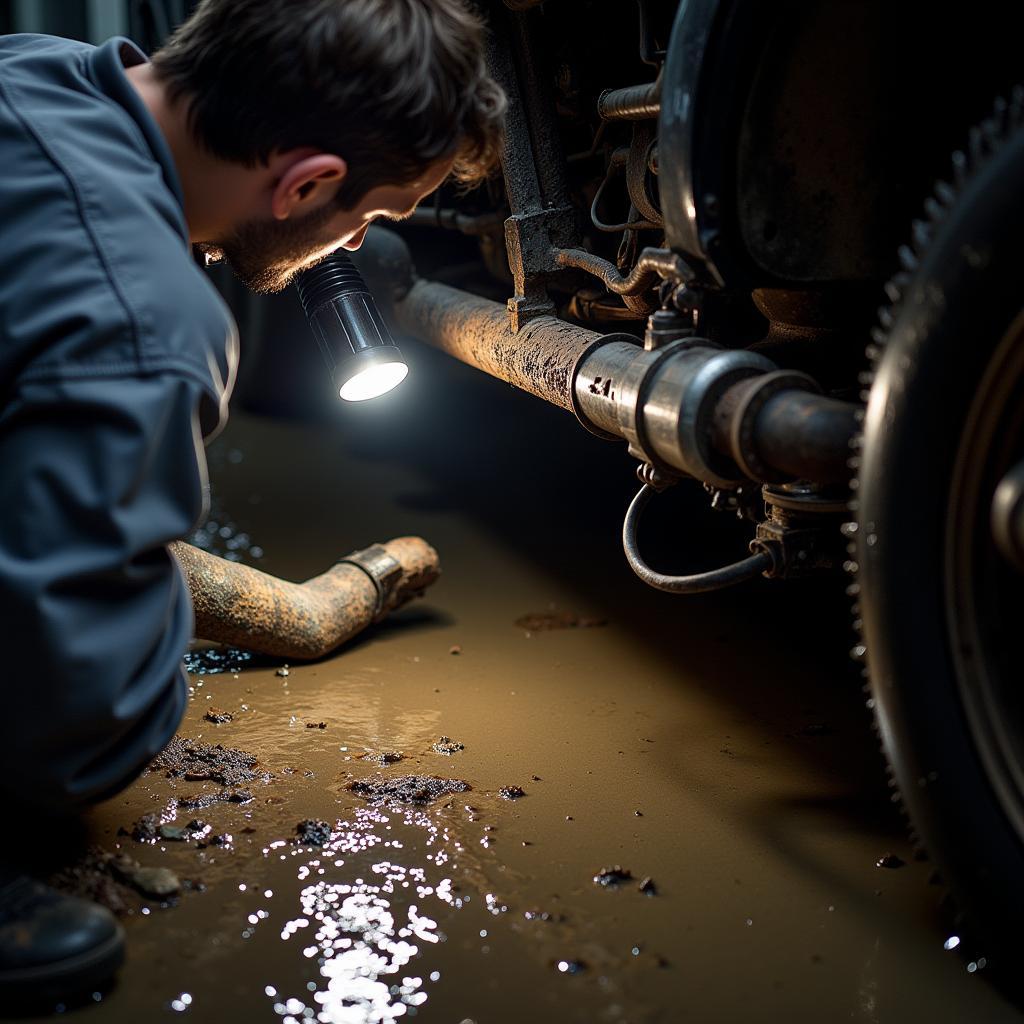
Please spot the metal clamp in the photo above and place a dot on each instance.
(384, 570)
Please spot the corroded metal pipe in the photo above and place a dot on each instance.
(634, 103)
(237, 604)
(796, 435)
(539, 358)
(687, 403)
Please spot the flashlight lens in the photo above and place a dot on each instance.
(375, 380)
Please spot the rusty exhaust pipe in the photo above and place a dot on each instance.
(237, 604)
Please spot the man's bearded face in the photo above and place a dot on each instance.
(266, 255)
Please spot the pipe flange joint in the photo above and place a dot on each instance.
(703, 390)
(742, 436)
(634, 389)
(384, 571)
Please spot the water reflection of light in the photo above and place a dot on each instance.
(364, 933)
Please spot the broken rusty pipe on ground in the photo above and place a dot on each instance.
(680, 405)
(237, 604)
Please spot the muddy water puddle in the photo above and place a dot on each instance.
(320, 880)
(667, 754)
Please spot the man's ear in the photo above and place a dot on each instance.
(304, 182)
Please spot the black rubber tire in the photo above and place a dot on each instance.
(954, 314)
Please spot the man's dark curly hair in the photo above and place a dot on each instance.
(391, 86)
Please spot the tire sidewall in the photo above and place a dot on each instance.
(954, 312)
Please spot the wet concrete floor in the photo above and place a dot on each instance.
(718, 746)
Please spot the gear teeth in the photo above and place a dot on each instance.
(960, 168)
(896, 285)
(982, 141)
(1016, 112)
(934, 209)
(921, 234)
(975, 144)
(946, 193)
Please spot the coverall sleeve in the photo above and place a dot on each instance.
(97, 475)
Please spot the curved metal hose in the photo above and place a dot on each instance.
(697, 583)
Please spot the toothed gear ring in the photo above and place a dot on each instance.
(938, 506)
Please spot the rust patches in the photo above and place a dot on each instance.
(237, 604)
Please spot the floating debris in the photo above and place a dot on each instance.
(218, 716)
(511, 792)
(312, 832)
(613, 877)
(382, 757)
(200, 762)
(159, 882)
(282, 672)
(173, 833)
(113, 880)
(538, 915)
(200, 801)
(446, 745)
(93, 878)
(455, 649)
(145, 830)
(195, 829)
(149, 829)
(889, 860)
(213, 661)
(539, 622)
(316, 725)
(648, 887)
(406, 789)
(570, 966)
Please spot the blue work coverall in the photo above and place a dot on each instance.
(117, 357)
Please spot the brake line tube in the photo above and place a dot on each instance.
(695, 583)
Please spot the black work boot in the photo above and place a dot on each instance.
(53, 946)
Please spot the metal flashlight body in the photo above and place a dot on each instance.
(356, 344)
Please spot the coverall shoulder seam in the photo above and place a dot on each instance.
(80, 200)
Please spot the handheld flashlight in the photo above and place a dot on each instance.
(356, 344)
